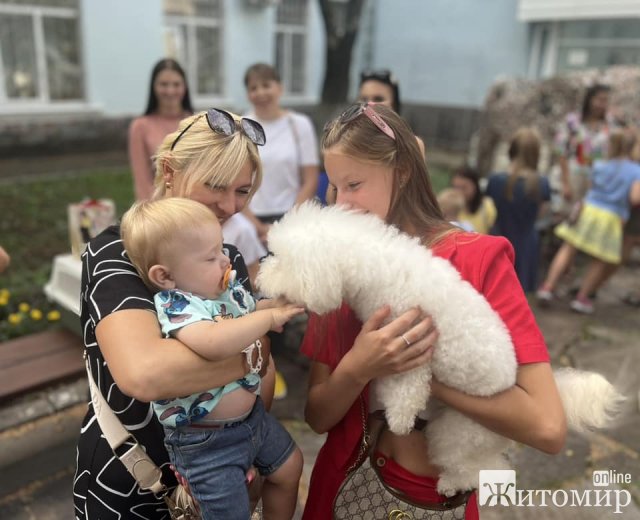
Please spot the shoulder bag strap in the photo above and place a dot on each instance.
(369, 438)
(296, 138)
(146, 473)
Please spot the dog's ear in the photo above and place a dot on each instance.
(321, 282)
(305, 265)
(302, 275)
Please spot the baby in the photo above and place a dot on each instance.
(451, 203)
(213, 437)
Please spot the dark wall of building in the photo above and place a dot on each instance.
(48, 144)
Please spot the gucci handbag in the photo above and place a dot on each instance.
(148, 476)
(365, 496)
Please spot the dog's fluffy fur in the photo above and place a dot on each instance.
(324, 256)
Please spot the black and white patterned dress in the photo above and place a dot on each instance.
(102, 487)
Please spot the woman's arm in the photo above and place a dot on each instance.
(377, 351)
(309, 185)
(268, 384)
(140, 162)
(565, 177)
(422, 147)
(147, 367)
(5, 259)
(634, 194)
(530, 412)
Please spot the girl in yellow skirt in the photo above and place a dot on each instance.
(615, 186)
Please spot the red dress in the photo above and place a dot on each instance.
(486, 262)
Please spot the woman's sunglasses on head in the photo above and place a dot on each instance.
(355, 111)
(222, 122)
(383, 76)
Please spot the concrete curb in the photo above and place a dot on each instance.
(35, 405)
(46, 433)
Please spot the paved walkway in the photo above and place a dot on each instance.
(608, 342)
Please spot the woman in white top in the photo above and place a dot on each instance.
(239, 231)
(290, 158)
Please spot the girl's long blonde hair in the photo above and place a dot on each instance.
(413, 202)
(524, 154)
(202, 156)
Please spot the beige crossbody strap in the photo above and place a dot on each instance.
(135, 459)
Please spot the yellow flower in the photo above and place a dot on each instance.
(4, 300)
(15, 318)
(4, 293)
(36, 314)
(24, 307)
(53, 315)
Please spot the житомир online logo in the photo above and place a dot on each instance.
(498, 488)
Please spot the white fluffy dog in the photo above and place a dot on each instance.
(324, 256)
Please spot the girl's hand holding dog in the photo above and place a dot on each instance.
(403, 344)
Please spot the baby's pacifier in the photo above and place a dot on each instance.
(229, 277)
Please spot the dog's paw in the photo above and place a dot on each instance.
(400, 426)
(446, 489)
(448, 486)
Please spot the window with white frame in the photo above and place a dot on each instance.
(290, 60)
(581, 44)
(40, 51)
(193, 36)
(598, 43)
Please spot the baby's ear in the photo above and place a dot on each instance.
(160, 276)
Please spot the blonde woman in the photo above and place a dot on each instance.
(520, 195)
(213, 159)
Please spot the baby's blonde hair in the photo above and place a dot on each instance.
(621, 142)
(150, 227)
(202, 156)
(451, 201)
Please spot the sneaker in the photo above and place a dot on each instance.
(280, 390)
(544, 296)
(583, 306)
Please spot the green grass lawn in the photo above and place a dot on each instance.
(440, 177)
(34, 229)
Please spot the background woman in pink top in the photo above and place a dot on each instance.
(169, 102)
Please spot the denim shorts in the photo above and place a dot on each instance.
(215, 461)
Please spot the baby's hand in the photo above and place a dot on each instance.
(282, 314)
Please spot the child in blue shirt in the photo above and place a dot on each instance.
(598, 231)
(213, 437)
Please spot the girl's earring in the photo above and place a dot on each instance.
(168, 185)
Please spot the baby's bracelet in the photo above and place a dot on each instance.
(254, 369)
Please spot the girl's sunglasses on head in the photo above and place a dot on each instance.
(222, 122)
(359, 109)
